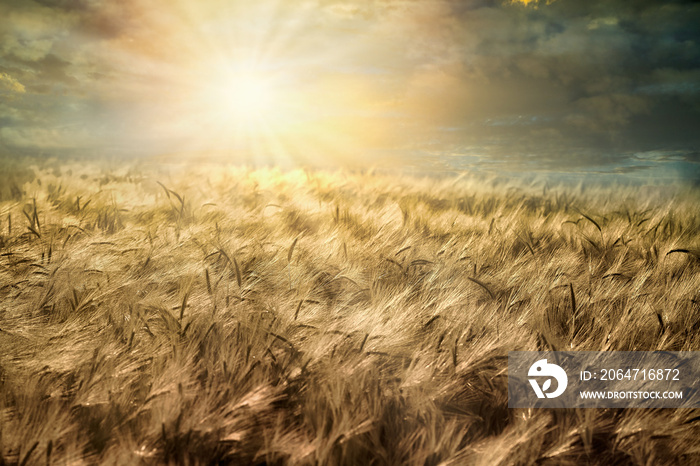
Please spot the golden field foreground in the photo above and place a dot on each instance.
(216, 315)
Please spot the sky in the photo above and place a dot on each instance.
(594, 86)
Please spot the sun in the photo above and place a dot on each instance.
(257, 111)
(243, 99)
(246, 95)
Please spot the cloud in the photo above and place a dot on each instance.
(8, 83)
(608, 112)
(531, 2)
(28, 30)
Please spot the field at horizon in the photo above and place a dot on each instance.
(214, 314)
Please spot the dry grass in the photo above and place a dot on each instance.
(227, 316)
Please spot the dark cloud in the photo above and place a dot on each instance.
(598, 75)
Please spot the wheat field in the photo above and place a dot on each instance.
(210, 314)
